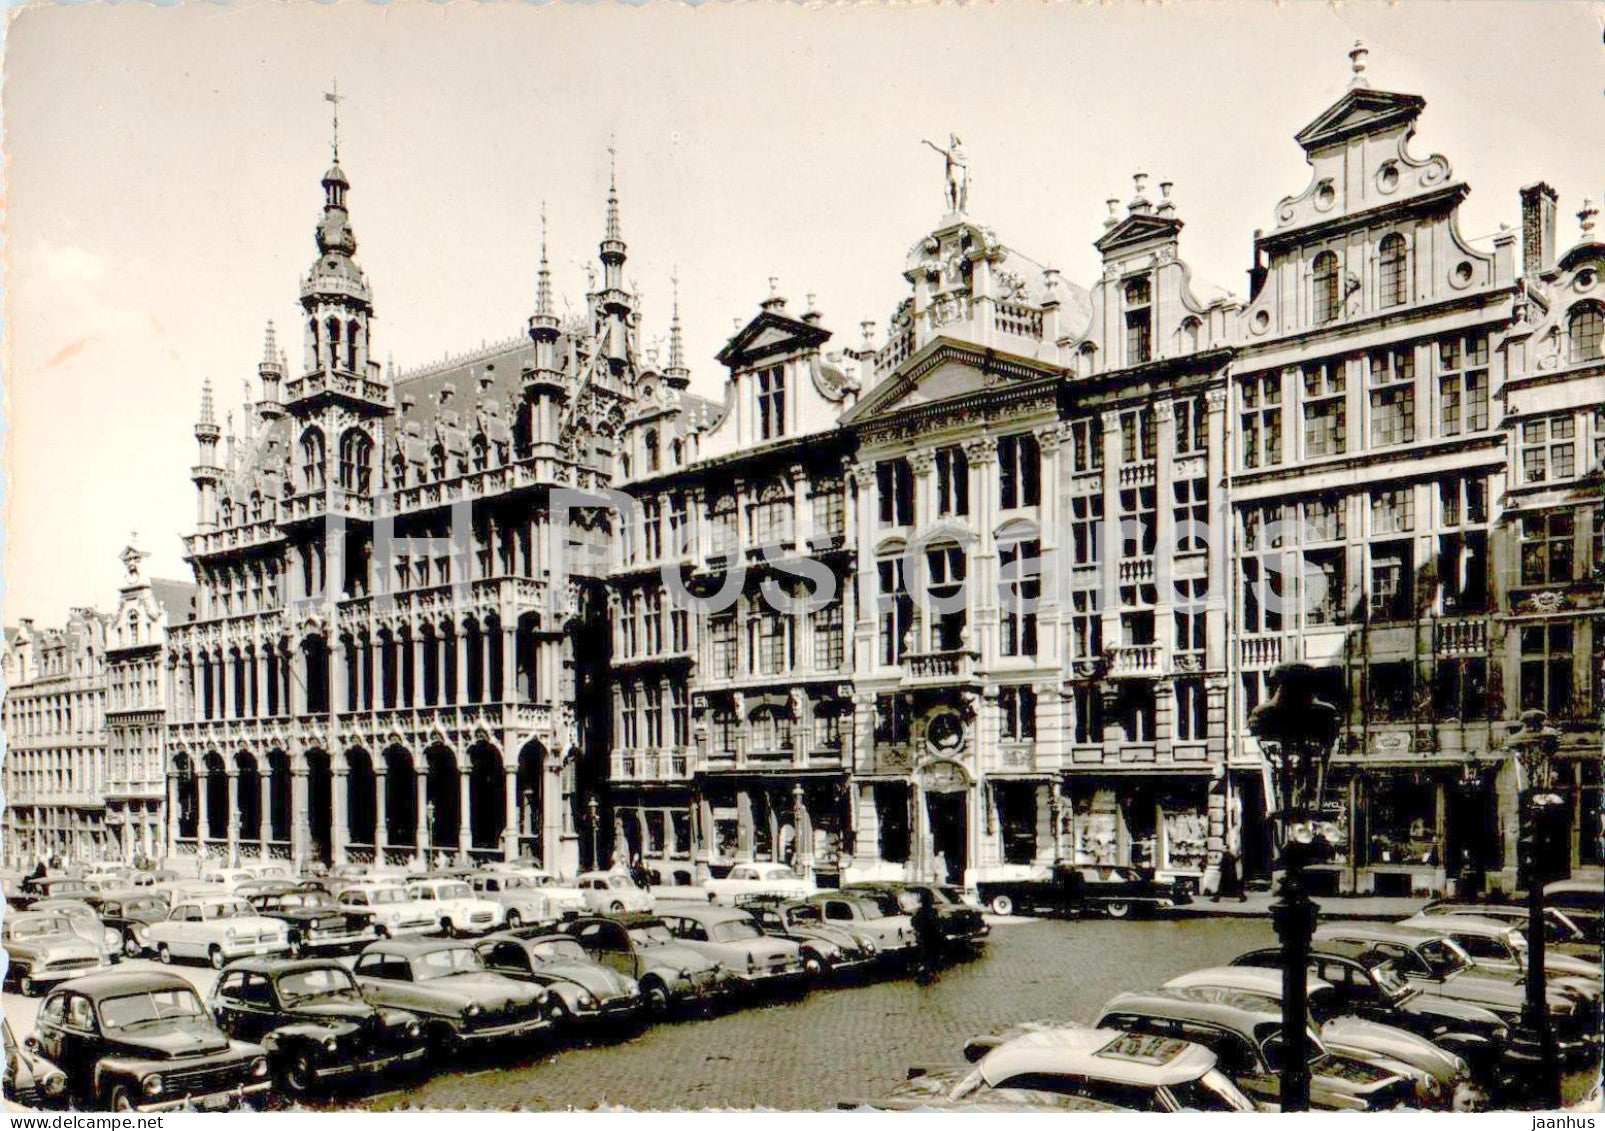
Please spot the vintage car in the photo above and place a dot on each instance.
(31, 1082)
(758, 878)
(1116, 1069)
(522, 899)
(129, 912)
(1443, 1081)
(458, 1001)
(457, 909)
(826, 947)
(140, 1040)
(85, 920)
(1114, 890)
(669, 972)
(1501, 946)
(216, 929)
(730, 937)
(43, 949)
(315, 921)
(1562, 933)
(962, 924)
(875, 914)
(1438, 967)
(612, 892)
(391, 906)
(311, 1017)
(1366, 984)
(1584, 904)
(1244, 1031)
(227, 879)
(931, 1089)
(53, 887)
(586, 990)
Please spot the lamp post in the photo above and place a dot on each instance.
(1296, 730)
(1533, 742)
(591, 809)
(429, 834)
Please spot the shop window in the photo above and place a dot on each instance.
(1403, 821)
(1017, 820)
(891, 810)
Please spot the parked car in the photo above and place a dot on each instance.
(932, 1089)
(730, 937)
(1562, 933)
(30, 1082)
(44, 949)
(129, 912)
(315, 921)
(85, 920)
(1116, 891)
(456, 998)
(1438, 967)
(522, 900)
(612, 892)
(140, 1040)
(758, 878)
(216, 929)
(566, 898)
(669, 972)
(457, 909)
(1501, 946)
(962, 924)
(826, 947)
(312, 1019)
(391, 907)
(1109, 1067)
(1583, 903)
(587, 990)
(875, 914)
(1366, 984)
(227, 878)
(1443, 1081)
(1245, 1033)
(54, 887)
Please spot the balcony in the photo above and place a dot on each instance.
(1135, 661)
(1461, 637)
(1137, 571)
(1260, 651)
(929, 668)
(651, 766)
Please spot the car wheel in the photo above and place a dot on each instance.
(514, 920)
(657, 997)
(1002, 905)
(121, 1098)
(616, 906)
(214, 955)
(164, 955)
(442, 1041)
(1117, 910)
(298, 1074)
(131, 947)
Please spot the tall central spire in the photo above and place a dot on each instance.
(333, 96)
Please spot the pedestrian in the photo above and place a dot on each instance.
(927, 936)
(1231, 880)
(638, 873)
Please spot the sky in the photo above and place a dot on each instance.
(162, 169)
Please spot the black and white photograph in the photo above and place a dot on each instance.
(977, 558)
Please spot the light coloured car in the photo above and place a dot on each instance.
(44, 948)
(612, 892)
(85, 920)
(731, 938)
(393, 909)
(216, 929)
(448, 987)
(228, 878)
(457, 909)
(875, 914)
(521, 899)
(1501, 946)
(757, 878)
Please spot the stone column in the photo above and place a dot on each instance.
(172, 813)
(465, 807)
(744, 824)
(264, 809)
(300, 817)
(339, 808)
(381, 806)
(510, 810)
(339, 676)
(202, 781)
(459, 675)
(421, 816)
(233, 816)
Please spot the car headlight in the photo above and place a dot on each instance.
(259, 1066)
(138, 931)
(473, 1010)
(414, 1029)
(631, 986)
(228, 933)
(54, 1084)
(111, 938)
(153, 1084)
(330, 1044)
(587, 1001)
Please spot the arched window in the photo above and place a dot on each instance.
(256, 505)
(398, 470)
(1326, 287)
(314, 344)
(1585, 326)
(353, 330)
(437, 458)
(624, 465)
(227, 511)
(677, 452)
(312, 459)
(481, 452)
(653, 452)
(334, 342)
(1191, 334)
(1392, 275)
(356, 461)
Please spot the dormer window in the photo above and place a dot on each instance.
(1585, 326)
(654, 456)
(772, 403)
(1139, 321)
(1391, 272)
(1326, 287)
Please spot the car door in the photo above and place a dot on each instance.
(509, 959)
(609, 944)
(259, 1012)
(228, 1005)
(80, 1038)
(49, 1026)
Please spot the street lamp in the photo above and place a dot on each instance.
(1296, 730)
(591, 808)
(1533, 742)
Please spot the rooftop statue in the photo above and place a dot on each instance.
(958, 173)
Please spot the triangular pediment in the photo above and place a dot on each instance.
(1360, 111)
(768, 334)
(946, 371)
(1138, 227)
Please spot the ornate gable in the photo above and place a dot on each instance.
(1137, 229)
(1360, 111)
(947, 371)
(768, 335)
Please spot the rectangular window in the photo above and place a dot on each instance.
(828, 637)
(1192, 710)
(952, 482)
(771, 519)
(1393, 512)
(830, 512)
(894, 486)
(1191, 514)
(770, 643)
(945, 567)
(652, 517)
(654, 716)
(1393, 396)
(1325, 577)
(1086, 528)
(682, 715)
(1087, 710)
(1260, 397)
(1018, 707)
(722, 646)
(1138, 507)
(1460, 689)
(629, 719)
(1192, 426)
(1549, 449)
(896, 609)
(1390, 691)
(1139, 322)
(1547, 547)
(1463, 384)
(1392, 581)
(1325, 409)
(1139, 435)
(772, 403)
(1019, 472)
(1190, 613)
(1086, 445)
(1546, 668)
(1019, 588)
(892, 717)
(1086, 625)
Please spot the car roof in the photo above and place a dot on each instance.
(277, 966)
(1104, 1054)
(125, 981)
(1462, 924)
(706, 913)
(1232, 1009)
(1372, 933)
(527, 939)
(1257, 980)
(624, 919)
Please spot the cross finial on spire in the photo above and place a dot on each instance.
(1585, 217)
(333, 96)
(1357, 56)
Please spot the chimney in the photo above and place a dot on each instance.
(1537, 229)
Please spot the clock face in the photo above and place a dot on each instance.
(945, 732)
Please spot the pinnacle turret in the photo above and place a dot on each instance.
(208, 418)
(676, 373)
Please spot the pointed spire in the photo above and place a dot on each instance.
(208, 413)
(543, 285)
(270, 347)
(676, 337)
(613, 231)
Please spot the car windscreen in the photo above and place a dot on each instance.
(558, 950)
(128, 1011)
(1443, 957)
(879, 903)
(652, 935)
(454, 891)
(1387, 975)
(439, 963)
(317, 981)
(387, 895)
(735, 930)
(508, 883)
(1210, 1092)
(33, 927)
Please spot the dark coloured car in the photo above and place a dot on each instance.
(142, 1041)
(446, 984)
(1116, 891)
(311, 1017)
(129, 913)
(31, 1081)
(1244, 1031)
(586, 990)
(962, 925)
(315, 920)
